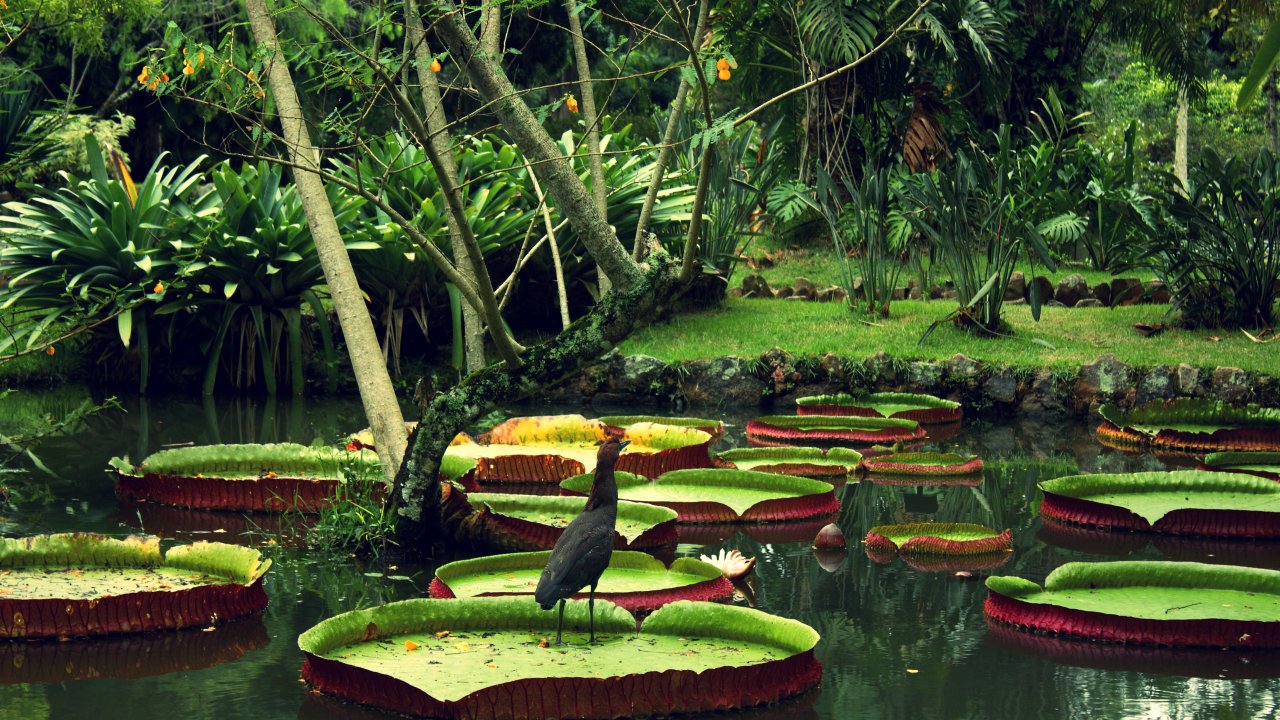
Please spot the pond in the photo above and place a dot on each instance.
(897, 642)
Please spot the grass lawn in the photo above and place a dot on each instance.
(748, 327)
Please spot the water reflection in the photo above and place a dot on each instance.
(879, 622)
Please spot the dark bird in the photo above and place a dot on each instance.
(582, 552)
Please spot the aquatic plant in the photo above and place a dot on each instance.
(1191, 425)
(773, 430)
(831, 464)
(924, 409)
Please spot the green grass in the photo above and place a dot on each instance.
(748, 327)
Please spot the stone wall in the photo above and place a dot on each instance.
(776, 378)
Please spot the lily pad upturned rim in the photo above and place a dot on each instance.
(931, 538)
(513, 532)
(644, 694)
(927, 410)
(1076, 499)
(1191, 424)
(1024, 604)
(142, 611)
(924, 463)
(1262, 464)
(273, 477)
(798, 429)
(810, 462)
(710, 584)
(707, 425)
(794, 498)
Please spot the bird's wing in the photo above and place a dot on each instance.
(577, 560)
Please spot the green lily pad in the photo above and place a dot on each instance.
(1262, 464)
(84, 584)
(534, 522)
(711, 427)
(810, 462)
(1191, 502)
(456, 658)
(1159, 603)
(635, 581)
(883, 541)
(774, 430)
(1192, 425)
(923, 464)
(925, 409)
(272, 477)
(549, 448)
(722, 495)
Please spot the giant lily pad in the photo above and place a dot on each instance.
(83, 584)
(1262, 464)
(924, 409)
(127, 657)
(534, 522)
(987, 546)
(1183, 548)
(721, 496)
(550, 448)
(1189, 502)
(481, 658)
(1191, 425)
(634, 581)
(273, 477)
(832, 464)
(620, 423)
(775, 430)
(927, 464)
(1146, 603)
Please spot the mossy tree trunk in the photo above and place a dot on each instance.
(376, 391)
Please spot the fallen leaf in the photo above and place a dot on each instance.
(543, 643)
(463, 646)
(913, 671)
(442, 634)
(410, 645)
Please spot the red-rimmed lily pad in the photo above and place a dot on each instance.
(482, 658)
(1191, 425)
(634, 581)
(274, 477)
(1187, 502)
(1262, 464)
(128, 657)
(830, 464)
(1146, 603)
(80, 584)
(983, 545)
(506, 521)
(619, 423)
(939, 465)
(1182, 548)
(550, 448)
(720, 495)
(779, 430)
(924, 409)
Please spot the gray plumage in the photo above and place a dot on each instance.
(582, 553)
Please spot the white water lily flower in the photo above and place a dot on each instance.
(732, 564)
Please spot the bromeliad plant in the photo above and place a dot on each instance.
(257, 270)
(101, 246)
(1220, 254)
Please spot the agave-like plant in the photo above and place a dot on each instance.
(101, 245)
(255, 273)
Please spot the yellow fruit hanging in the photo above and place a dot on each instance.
(723, 74)
(722, 64)
(435, 66)
(572, 103)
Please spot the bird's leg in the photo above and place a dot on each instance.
(560, 625)
(591, 615)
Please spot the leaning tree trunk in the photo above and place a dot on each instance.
(1180, 140)
(417, 493)
(376, 391)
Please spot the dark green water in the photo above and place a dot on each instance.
(879, 622)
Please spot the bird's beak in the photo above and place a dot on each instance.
(622, 445)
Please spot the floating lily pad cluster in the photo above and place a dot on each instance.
(1191, 425)
(254, 478)
(547, 449)
(685, 657)
(81, 584)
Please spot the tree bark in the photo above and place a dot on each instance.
(1180, 139)
(491, 29)
(437, 126)
(617, 315)
(595, 163)
(376, 391)
(557, 173)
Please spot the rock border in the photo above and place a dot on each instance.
(775, 378)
